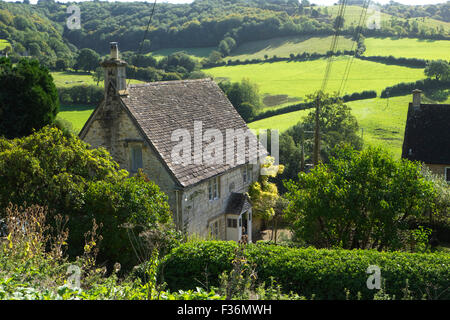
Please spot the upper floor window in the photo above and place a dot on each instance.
(247, 174)
(213, 188)
(136, 158)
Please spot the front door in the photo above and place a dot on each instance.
(245, 225)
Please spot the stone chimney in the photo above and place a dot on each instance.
(114, 50)
(416, 98)
(115, 75)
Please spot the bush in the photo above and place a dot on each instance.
(403, 88)
(326, 274)
(28, 97)
(62, 173)
(81, 94)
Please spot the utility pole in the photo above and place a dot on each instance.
(317, 132)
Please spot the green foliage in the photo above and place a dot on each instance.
(133, 203)
(87, 60)
(264, 194)
(81, 94)
(33, 266)
(318, 273)
(28, 98)
(244, 96)
(439, 69)
(61, 172)
(359, 200)
(407, 87)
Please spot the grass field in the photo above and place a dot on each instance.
(297, 79)
(4, 44)
(196, 53)
(382, 121)
(77, 115)
(284, 46)
(68, 79)
(408, 48)
(353, 13)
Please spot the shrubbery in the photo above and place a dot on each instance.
(403, 88)
(308, 105)
(322, 273)
(81, 94)
(406, 62)
(59, 171)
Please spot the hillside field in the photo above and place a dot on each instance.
(77, 115)
(69, 79)
(196, 53)
(353, 13)
(408, 48)
(284, 46)
(298, 79)
(382, 121)
(4, 44)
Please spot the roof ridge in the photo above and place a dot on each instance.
(155, 83)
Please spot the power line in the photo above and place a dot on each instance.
(362, 19)
(145, 35)
(339, 21)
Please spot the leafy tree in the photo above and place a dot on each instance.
(87, 59)
(28, 98)
(263, 193)
(213, 58)
(440, 69)
(98, 75)
(61, 65)
(61, 172)
(359, 200)
(337, 124)
(246, 111)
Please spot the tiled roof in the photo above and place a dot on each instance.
(427, 134)
(162, 107)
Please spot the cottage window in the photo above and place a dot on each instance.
(214, 229)
(136, 158)
(447, 174)
(213, 189)
(232, 223)
(247, 174)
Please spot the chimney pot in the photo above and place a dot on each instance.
(416, 97)
(114, 50)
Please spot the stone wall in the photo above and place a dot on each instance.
(113, 129)
(199, 212)
(438, 168)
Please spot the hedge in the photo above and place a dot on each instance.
(326, 274)
(81, 94)
(403, 88)
(406, 62)
(308, 105)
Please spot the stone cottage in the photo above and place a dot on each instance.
(167, 130)
(427, 135)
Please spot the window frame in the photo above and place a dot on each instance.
(136, 165)
(447, 174)
(214, 189)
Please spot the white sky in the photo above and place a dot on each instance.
(320, 2)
